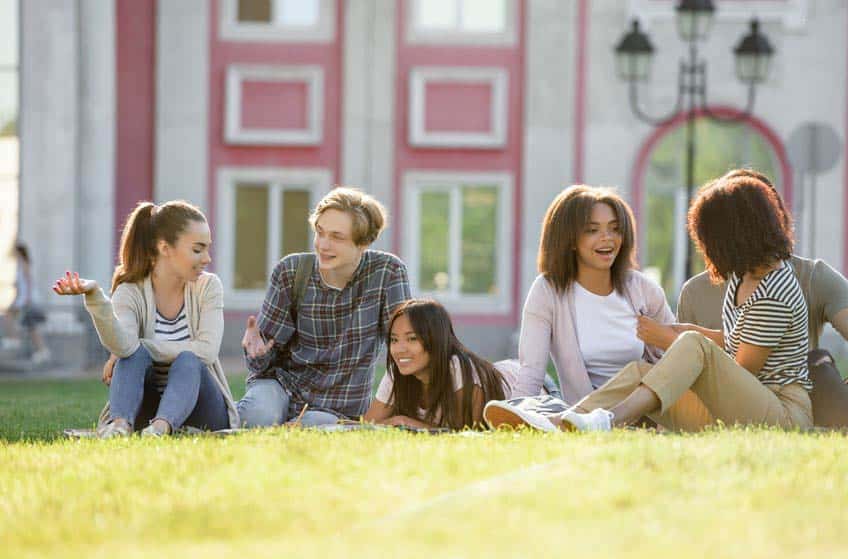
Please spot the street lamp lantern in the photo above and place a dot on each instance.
(694, 19)
(753, 56)
(633, 55)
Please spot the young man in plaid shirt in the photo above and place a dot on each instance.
(322, 352)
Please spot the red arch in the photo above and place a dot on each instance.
(638, 179)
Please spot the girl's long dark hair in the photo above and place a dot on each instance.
(432, 325)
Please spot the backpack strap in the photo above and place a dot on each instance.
(301, 276)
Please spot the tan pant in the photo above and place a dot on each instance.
(698, 384)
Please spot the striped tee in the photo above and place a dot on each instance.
(774, 316)
(169, 330)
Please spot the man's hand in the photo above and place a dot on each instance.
(109, 368)
(653, 333)
(253, 342)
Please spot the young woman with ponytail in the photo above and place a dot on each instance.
(163, 326)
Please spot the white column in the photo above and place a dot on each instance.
(548, 117)
(369, 101)
(97, 105)
(49, 217)
(182, 101)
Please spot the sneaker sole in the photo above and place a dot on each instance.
(499, 417)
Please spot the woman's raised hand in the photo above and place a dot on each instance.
(72, 284)
(653, 333)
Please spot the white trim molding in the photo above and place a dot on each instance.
(279, 179)
(417, 182)
(791, 13)
(230, 29)
(236, 133)
(456, 35)
(496, 78)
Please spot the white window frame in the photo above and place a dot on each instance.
(280, 179)
(230, 29)
(416, 35)
(791, 13)
(496, 78)
(236, 133)
(417, 182)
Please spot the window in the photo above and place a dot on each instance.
(262, 216)
(720, 147)
(457, 238)
(277, 20)
(461, 21)
(9, 150)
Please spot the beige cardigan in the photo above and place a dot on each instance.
(129, 319)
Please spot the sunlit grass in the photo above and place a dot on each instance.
(284, 493)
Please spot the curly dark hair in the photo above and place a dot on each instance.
(739, 223)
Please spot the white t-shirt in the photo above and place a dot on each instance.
(384, 391)
(606, 333)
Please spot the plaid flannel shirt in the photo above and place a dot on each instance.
(327, 358)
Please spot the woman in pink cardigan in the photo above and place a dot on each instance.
(583, 309)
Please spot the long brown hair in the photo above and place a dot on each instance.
(432, 324)
(739, 223)
(146, 225)
(566, 218)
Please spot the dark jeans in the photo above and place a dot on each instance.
(190, 398)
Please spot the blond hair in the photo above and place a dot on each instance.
(369, 215)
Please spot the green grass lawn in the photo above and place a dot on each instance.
(752, 493)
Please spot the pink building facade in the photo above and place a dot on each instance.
(465, 117)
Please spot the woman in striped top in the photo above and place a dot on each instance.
(754, 370)
(163, 326)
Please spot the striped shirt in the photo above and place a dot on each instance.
(775, 317)
(326, 358)
(168, 330)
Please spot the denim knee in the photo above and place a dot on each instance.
(264, 404)
(140, 360)
(187, 359)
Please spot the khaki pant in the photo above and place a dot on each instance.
(699, 384)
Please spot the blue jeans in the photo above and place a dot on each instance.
(266, 403)
(550, 387)
(191, 396)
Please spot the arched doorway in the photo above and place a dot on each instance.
(659, 193)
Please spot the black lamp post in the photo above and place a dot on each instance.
(694, 19)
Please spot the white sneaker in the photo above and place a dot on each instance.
(498, 413)
(114, 430)
(41, 356)
(154, 430)
(598, 419)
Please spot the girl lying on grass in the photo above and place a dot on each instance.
(753, 371)
(163, 326)
(431, 379)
